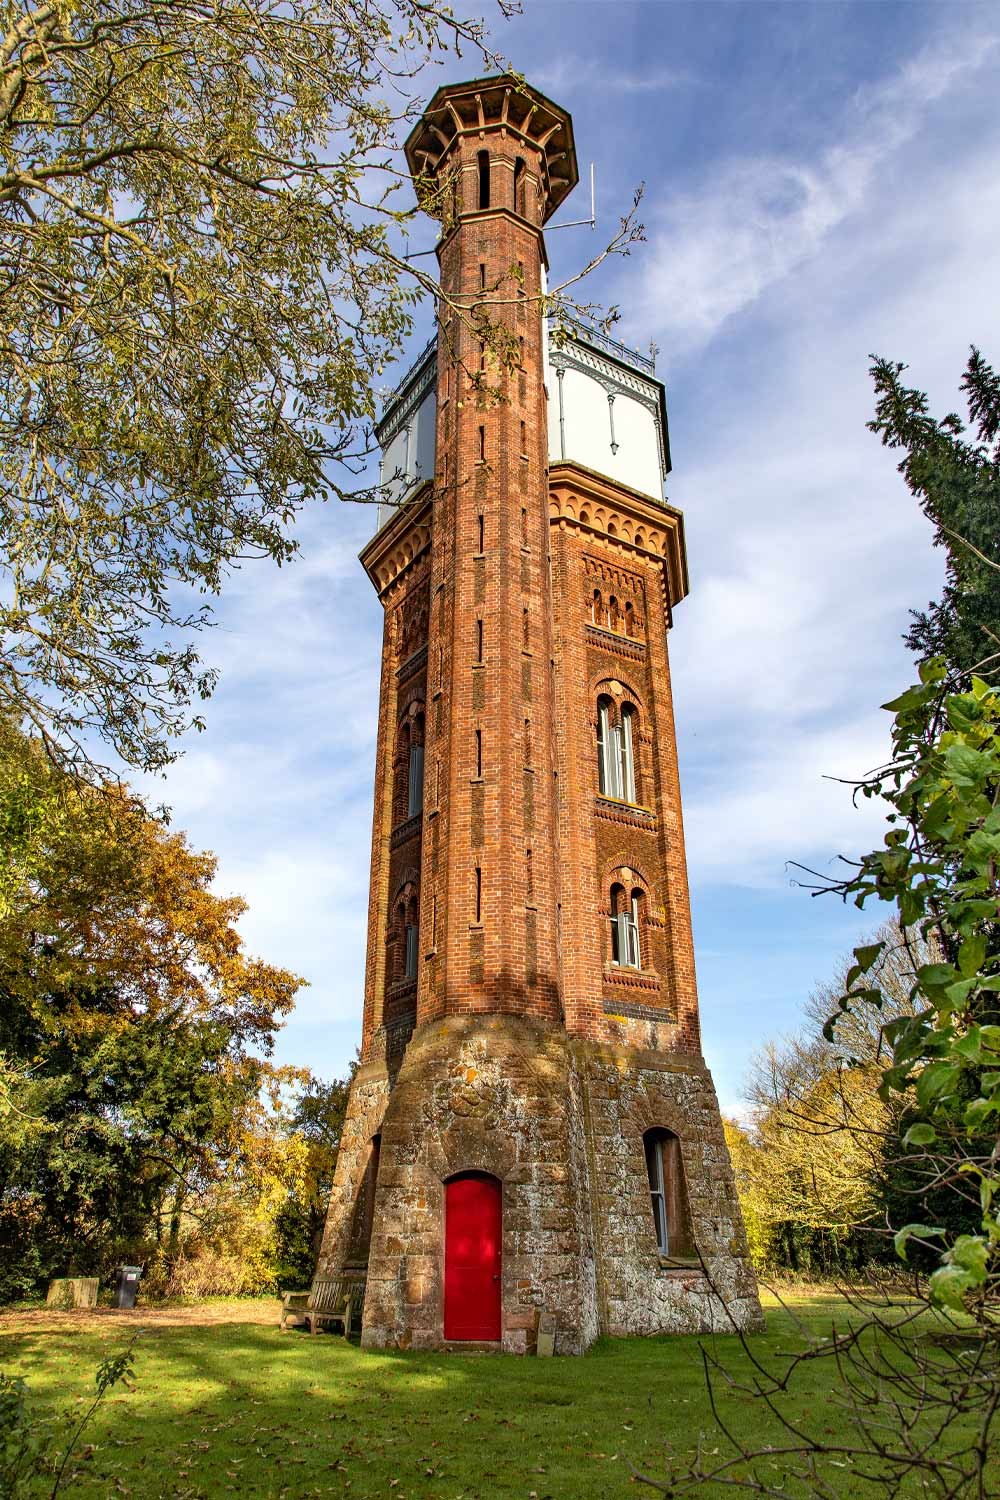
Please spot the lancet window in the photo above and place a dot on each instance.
(616, 736)
(667, 1192)
(626, 913)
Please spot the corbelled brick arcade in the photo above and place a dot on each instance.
(532, 1130)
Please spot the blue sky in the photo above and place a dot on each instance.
(821, 183)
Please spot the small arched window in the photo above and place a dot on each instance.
(595, 608)
(519, 170)
(415, 795)
(625, 913)
(616, 751)
(605, 748)
(629, 620)
(614, 619)
(626, 748)
(410, 967)
(668, 1193)
(483, 160)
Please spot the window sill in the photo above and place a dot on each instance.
(680, 1263)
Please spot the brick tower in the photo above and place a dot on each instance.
(532, 1132)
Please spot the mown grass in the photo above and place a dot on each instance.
(237, 1408)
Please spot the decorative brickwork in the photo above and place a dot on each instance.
(530, 1003)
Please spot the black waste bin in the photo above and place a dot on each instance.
(126, 1285)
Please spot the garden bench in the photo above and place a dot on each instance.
(335, 1299)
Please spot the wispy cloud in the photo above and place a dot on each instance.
(758, 217)
(570, 73)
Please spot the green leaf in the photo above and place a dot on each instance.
(909, 1232)
(937, 1081)
(972, 955)
(967, 767)
(920, 1135)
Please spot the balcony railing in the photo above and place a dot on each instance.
(598, 340)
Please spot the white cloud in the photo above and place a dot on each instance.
(758, 217)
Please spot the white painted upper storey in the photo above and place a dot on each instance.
(606, 412)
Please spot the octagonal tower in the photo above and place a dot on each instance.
(532, 1131)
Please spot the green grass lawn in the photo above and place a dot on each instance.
(237, 1408)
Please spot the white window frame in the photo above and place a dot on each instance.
(626, 750)
(625, 952)
(653, 1151)
(605, 757)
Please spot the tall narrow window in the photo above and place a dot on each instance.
(614, 622)
(519, 186)
(524, 440)
(440, 666)
(483, 158)
(415, 798)
(527, 742)
(482, 530)
(399, 942)
(479, 893)
(482, 276)
(657, 1189)
(520, 356)
(411, 950)
(668, 1193)
(529, 873)
(595, 608)
(479, 752)
(524, 525)
(629, 620)
(625, 928)
(525, 629)
(520, 278)
(437, 782)
(479, 640)
(627, 754)
(434, 921)
(605, 758)
(482, 444)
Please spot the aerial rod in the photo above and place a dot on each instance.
(578, 223)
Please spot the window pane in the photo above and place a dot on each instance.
(615, 948)
(411, 952)
(602, 749)
(659, 1222)
(416, 788)
(628, 757)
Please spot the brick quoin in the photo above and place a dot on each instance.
(518, 1048)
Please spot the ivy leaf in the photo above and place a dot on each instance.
(920, 1135)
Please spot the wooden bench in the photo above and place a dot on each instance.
(336, 1299)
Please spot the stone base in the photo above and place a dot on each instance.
(560, 1122)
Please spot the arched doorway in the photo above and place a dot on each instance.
(472, 1227)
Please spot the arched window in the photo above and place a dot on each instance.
(625, 913)
(411, 930)
(595, 608)
(614, 619)
(667, 1193)
(616, 751)
(483, 159)
(519, 170)
(399, 944)
(629, 620)
(605, 748)
(415, 796)
(627, 753)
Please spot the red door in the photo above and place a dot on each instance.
(472, 1258)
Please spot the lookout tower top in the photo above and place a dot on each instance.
(461, 113)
